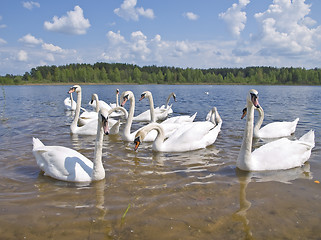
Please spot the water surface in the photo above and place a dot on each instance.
(192, 195)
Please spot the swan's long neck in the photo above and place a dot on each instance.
(258, 125)
(98, 168)
(74, 123)
(169, 97)
(71, 101)
(117, 101)
(151, 107)
(244, 158)
(97, 102)
(129, 121)
(159, 140)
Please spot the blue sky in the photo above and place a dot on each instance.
(180, 33)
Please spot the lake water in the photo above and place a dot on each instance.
(192, 195)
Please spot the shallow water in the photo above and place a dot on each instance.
(192, 195)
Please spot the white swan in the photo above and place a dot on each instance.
(69, 165)
(88, 116)
(166, 106)
(113, 105)
(189, 137)
(159, 114)
(152, 114)
(277, 155)
(89, 128)
(126, 135)
(274, 129)
(69, 103)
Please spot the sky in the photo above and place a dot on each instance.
(179, 33)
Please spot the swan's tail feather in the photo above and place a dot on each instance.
(308, 138)
(194, 116)
(37, 143)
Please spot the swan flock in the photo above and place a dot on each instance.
(168, 134)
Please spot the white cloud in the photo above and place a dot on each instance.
(139, 45)
(285, 29)
(73, 23)
(235, 18)
(29, 39)
(115, 38)
(190, 16)
(51, 48)
(2, 41)
(22, 56)
(30, 5)
(129, 11)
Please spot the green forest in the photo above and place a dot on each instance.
(119, 73)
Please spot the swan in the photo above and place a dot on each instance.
(277, 155)
(166, 106)
(189, 137)
(70, 104)
(66, 164)
(113, 105)
(126, 135)
(90, 128)
(87, 117)
(151, 115)
(274, 129)
(159, 115)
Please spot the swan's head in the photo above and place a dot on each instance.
(103, 119)
(137, 142)
(174, 97)
(139, 137)
(253, 98)
(244, 112)
(117, 91)
(125, 96)
(75, 88)
(144, 95)
(93, 98)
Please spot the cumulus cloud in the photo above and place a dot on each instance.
(29, 39)
(22, 56)
(191, 16)
(129, 11)
(235, 18)
(51, 48)
(30, 5)
(286, 29)
(73, 23)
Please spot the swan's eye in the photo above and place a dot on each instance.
(253, 95)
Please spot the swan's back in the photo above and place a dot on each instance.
(192, 136)
(277, 129)
(283, 153)
(62, 163)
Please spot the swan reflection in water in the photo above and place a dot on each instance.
(245, 177)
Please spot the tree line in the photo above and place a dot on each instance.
(108, 73)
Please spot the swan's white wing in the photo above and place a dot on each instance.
(190, 136)
(278, 129)
(67, 103)
(281, 154)
(181, 119)
(102, 104)
(63, 163)
(143, 117)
